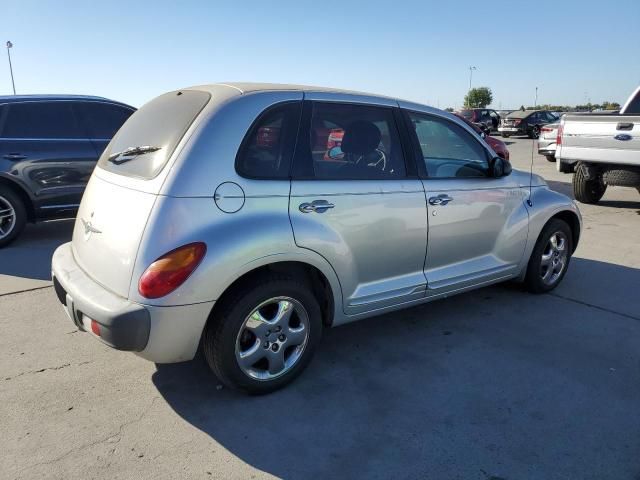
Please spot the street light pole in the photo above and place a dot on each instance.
(535, 102)
(471, 69)
(13, 83)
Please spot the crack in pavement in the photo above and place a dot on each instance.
(117, 435)
(26, 290)
(597, 307)
(59, 367)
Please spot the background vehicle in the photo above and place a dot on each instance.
(525, 122)
(602, 149)
(497, 145)
(547, 140)
(485, 116)
(49, 145)
(252, 255)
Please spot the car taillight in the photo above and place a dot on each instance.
(171, 270)
(546, 129)
(559, 135)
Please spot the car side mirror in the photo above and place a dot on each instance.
(500, 167)
(483, 135)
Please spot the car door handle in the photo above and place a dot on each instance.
(624, 126)
(441, 199)
(318, 206)
(15, 156)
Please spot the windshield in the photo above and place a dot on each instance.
(143, 145)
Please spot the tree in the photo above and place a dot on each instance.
(478, 97)
(610, 106)
(448, 109)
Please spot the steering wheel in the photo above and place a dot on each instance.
(380, 163)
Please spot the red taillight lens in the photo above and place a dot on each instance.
(95, 327)
(546, 129)
(171, 270)
(559, 135)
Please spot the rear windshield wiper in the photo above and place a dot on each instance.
(131, 153)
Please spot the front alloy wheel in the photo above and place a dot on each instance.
(554, 259)
(550, 258)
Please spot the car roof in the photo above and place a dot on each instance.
(251, 87)
(522, 113)
(45, 97)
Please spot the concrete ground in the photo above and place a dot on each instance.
(493, 384)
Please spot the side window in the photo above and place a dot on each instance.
(54, 120)
(357, 142)
(448, 150)
(533, 118)
(101, 120)
(267, 149)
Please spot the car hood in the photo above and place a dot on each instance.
(523, 178)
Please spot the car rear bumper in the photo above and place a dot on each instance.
(159, 334)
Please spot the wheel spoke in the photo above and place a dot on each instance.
(554, 241)
(276, 361)
(296, 336)
(285, 310)
(257, 324)
(561, 245)
(546, 259)
(547, 274)
(249, 357)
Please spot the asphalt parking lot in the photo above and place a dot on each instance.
(493, 384)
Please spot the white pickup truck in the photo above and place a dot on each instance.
(601, 149)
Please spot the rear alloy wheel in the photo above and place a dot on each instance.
(534, 133)
(587, 191)
(550, 257)
(264, 336)
(13, 216)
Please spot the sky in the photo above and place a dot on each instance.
(132, 51)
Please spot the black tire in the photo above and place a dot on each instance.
(622, 177)
(587, 191)
(533, 279)
(505, 135)
(8, 198)
(550, 158)
(534, 132)
(219, 338)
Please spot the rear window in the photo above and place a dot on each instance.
(468, 114)
(102, 120)
(152, 134)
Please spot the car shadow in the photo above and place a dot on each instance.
(476, 387)
(29, 256)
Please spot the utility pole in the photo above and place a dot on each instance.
(471, 69)
(9, 46)
(535, 102)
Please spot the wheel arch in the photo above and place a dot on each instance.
(19, 190)
(323, 282)
(571, 218)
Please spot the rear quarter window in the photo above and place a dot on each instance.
(160, 124)
(102, 120)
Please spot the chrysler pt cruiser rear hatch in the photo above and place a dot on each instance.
(123, 188)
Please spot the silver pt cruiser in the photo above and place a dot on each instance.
(248, 217)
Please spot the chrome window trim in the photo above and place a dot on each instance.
(68, 205)
(53, 139)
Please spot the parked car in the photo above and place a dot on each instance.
(602, 149)
(525, 122)
(547, 141)
(485, 116)
(194, 232)
(49, 145)
(497, 145)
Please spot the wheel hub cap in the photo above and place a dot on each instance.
(272, 338)
(7, 217)
(554, 258)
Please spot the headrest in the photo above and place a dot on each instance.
(361, 137)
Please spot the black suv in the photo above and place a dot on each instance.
(49, 145)
(525, 122)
